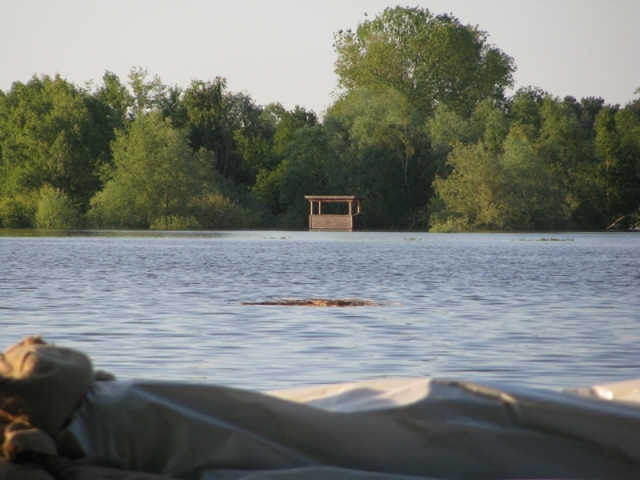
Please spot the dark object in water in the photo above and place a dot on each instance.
(319, 302)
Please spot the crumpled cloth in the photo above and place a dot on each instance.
(382, 430)
(43, 383)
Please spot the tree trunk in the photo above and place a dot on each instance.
(166, 210)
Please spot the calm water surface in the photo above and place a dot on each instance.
(506, 307)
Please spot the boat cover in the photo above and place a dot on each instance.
(388, 429)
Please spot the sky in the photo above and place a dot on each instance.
(282, 50)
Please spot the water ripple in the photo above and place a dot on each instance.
(484, 307)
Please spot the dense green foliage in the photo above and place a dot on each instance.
(154, 179)
(428, 59)
(421, 126)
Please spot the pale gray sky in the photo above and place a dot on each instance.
(281, 50)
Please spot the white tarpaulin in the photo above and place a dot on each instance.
(374, 430)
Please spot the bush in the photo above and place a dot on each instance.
(217, 212)
(54, 210)
(514, 190)
(175, 222)
(155, 176)
(16, 212)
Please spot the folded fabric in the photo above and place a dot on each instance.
(425, 428)
(43, 382)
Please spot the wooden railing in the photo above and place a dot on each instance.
(332, 222)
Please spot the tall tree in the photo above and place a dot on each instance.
(147, 94)
(205, 111)
(48, 138)
(109, 105)
(524, 109)
(265, 157)
(116, 100)
(383, 153)
(287, 122)
(567, 148)
(510, 190)
(228, 124)
(154, 179)
(429, 59)
(618, 145)
(389, 122)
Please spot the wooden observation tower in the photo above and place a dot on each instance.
(332, 222)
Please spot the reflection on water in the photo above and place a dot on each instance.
(505, 307)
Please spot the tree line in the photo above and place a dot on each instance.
(421, 126)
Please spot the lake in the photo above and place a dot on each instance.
(542, 310)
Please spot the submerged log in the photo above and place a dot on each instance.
(319, 302)
(615, 223)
